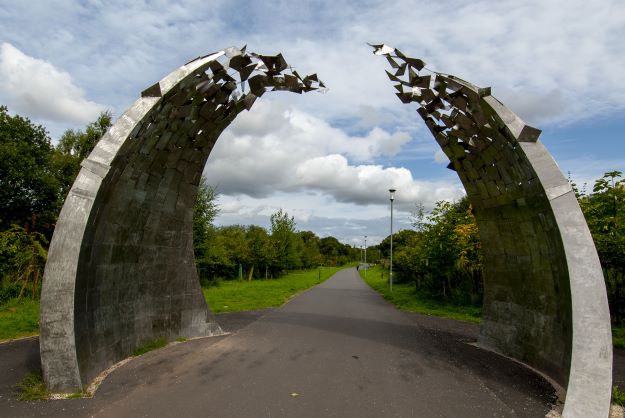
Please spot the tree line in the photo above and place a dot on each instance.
(36, 175)
(252, 251)
(442, 254)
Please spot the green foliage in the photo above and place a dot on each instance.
(32, 387)
(34, 179)
(618, 336)
(405, 297)
(75, 146)
(28, 187)
(605, 214)
(19, 318)
(235, 296)
(618, 396)
(22, 260)
(251, 252)
(334, 253)
(604, 210)
(150, 346)
(441, 258)
(284, 241)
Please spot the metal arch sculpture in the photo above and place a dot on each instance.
(545, 302)
(121, 269)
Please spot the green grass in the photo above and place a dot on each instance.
(150, 346)
(235, 296)
(405, 298)
(19, 319)
(32, 387)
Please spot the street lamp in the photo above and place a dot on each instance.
(366, 266)
(390, 276)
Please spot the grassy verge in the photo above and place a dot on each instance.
(405, 298)
(19, 319)
(235, 296)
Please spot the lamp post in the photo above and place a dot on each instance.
(390, 276)
(366, 265)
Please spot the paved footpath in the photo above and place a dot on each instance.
(337, 350)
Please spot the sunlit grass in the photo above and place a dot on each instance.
(19, 318)
(235, 296)
(405, 297)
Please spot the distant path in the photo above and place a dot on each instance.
(338, 350)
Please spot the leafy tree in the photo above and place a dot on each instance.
(604, 211)
(284, 240)
(27, 184)
(442, 256)
(233, 239)
(261, 250)
(74, 146)
(309, 249)
(204, 212)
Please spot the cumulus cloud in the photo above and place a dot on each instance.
(36, 88)
(552, 63)
(274, 149)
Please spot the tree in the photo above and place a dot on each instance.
(204, 212)
(27, 184)
(604, 211)
(75, 146)
(284, 240)
(261, 252)
(234, 242)
(309, 249)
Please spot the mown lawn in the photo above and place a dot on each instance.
(19, 318)
(405, 297)
(235, 296)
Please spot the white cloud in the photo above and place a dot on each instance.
(272, 149)
(551, 62)
(36, 88)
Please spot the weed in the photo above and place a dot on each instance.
(618, 396)
(150, 346)
(181, 339)
(32, 387)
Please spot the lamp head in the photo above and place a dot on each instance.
(392, 192)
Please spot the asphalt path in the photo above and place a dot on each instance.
(337, 350)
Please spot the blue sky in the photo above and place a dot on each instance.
(328, 159)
